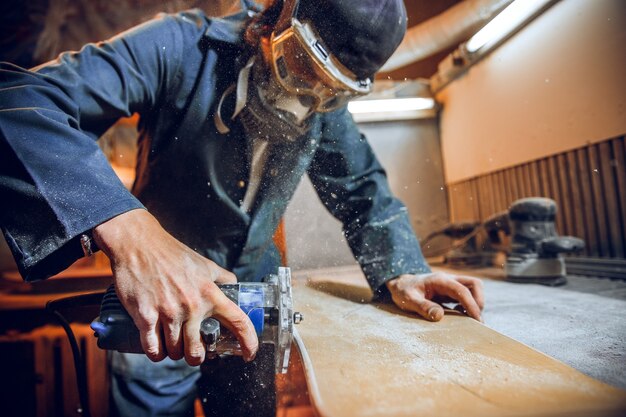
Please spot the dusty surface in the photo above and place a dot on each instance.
(373, 360)
(582, 323)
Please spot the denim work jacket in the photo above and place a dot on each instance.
(55, 183)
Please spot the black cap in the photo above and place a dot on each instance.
(362, 34)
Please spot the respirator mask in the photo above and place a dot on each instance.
(293, 76)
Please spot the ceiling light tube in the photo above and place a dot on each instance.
(391, 105)
(505, 23)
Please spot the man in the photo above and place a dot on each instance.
(232, 112)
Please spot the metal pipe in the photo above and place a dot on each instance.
(449, 28)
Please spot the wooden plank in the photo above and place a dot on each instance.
(512, 181)
(485, 196)
(471, 213)
(461, 201)
(512, 185)
(487, 192)
(467, 205)
(620, 175)
(598, 201)
(491, 201)
(534, 179)
(584, 175)
(553, 179)
(515, 194)
(497, 193)
(493, 183)
(566, 196)
(475, 199)
(521, 181)
(525, 180)
(578, 203)
(609, 186)
(451, 201)
(366, 359)
(506, 202)
(457, 198)
(508, 188)
(544, 178)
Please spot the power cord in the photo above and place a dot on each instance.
(459, 243)
(53, 307)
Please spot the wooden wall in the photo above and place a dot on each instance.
(588, 184)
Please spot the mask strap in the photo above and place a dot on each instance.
(241, 96)
(217, 117)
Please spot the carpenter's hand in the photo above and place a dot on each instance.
(417, 293)
(168, 289)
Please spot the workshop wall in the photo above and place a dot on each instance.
(588, 185)
(545, 115)
(557, 85)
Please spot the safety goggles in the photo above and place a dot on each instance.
(303, 66)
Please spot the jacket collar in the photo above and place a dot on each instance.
(228, 29)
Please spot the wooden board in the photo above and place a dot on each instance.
(364, 359)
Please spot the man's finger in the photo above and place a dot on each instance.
(226, 277)
(150, 336)
(235, 320)
(475, 286)
(173, 340)
(462, 294)
(193, 346)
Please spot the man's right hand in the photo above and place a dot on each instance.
(168, 289)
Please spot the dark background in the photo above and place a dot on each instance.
(35, 31)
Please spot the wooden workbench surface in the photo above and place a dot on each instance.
(366, 359)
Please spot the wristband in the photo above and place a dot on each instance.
(87, 243)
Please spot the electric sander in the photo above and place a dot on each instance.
(536, 248)
(268, 304)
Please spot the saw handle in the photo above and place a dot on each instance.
(116, 330)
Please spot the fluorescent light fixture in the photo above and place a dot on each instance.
(391, 105)
(385, 110)
(513, 16)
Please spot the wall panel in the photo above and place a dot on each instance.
(588, 185)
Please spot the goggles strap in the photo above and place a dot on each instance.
(241, 96)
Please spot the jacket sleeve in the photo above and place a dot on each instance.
(55, 183)
(353, 186)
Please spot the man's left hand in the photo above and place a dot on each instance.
(420, 294)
